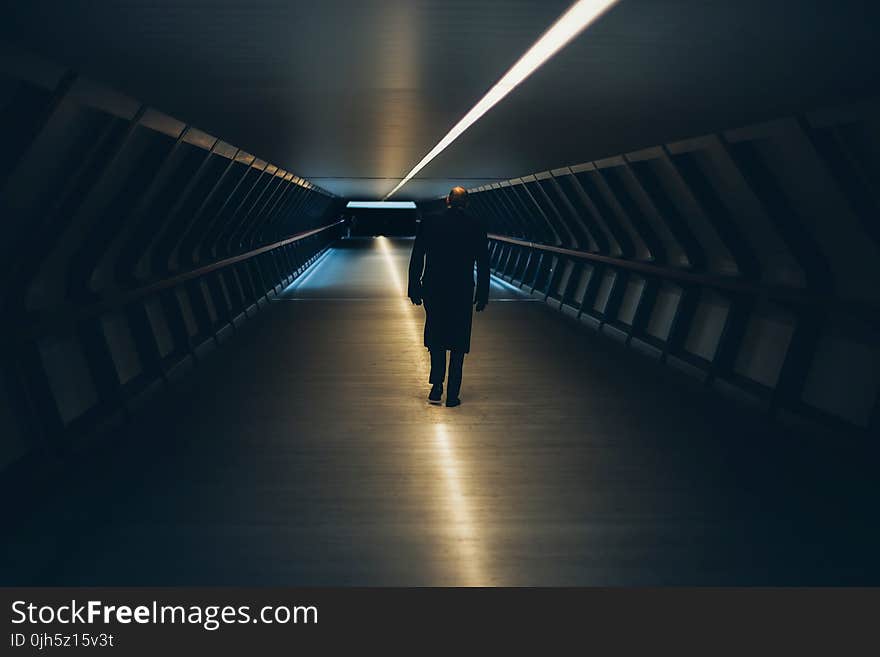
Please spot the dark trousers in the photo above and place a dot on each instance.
(438, 370)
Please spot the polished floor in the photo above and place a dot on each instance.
(303, 453)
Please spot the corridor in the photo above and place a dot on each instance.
(303, 453)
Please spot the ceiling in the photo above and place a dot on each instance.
(352, 93)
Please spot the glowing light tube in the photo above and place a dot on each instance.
(574, 21)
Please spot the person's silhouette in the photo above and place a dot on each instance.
(441, 274)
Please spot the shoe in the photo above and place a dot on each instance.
(436, 394)
(451, 403)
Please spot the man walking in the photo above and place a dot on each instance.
(441, 274)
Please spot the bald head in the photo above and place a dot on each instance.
(457, 197)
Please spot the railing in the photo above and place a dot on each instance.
(865, 310)
(45, 323)
(79, 366)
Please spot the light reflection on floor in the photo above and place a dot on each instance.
(467, 543)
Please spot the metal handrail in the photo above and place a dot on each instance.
(42, 323)
(865, 309)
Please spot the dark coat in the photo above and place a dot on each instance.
(441, 273)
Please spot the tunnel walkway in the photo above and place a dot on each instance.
(303, 453)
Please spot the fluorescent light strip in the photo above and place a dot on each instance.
(310, 270)
(386, 205)
(502, 283)
(566, 28)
